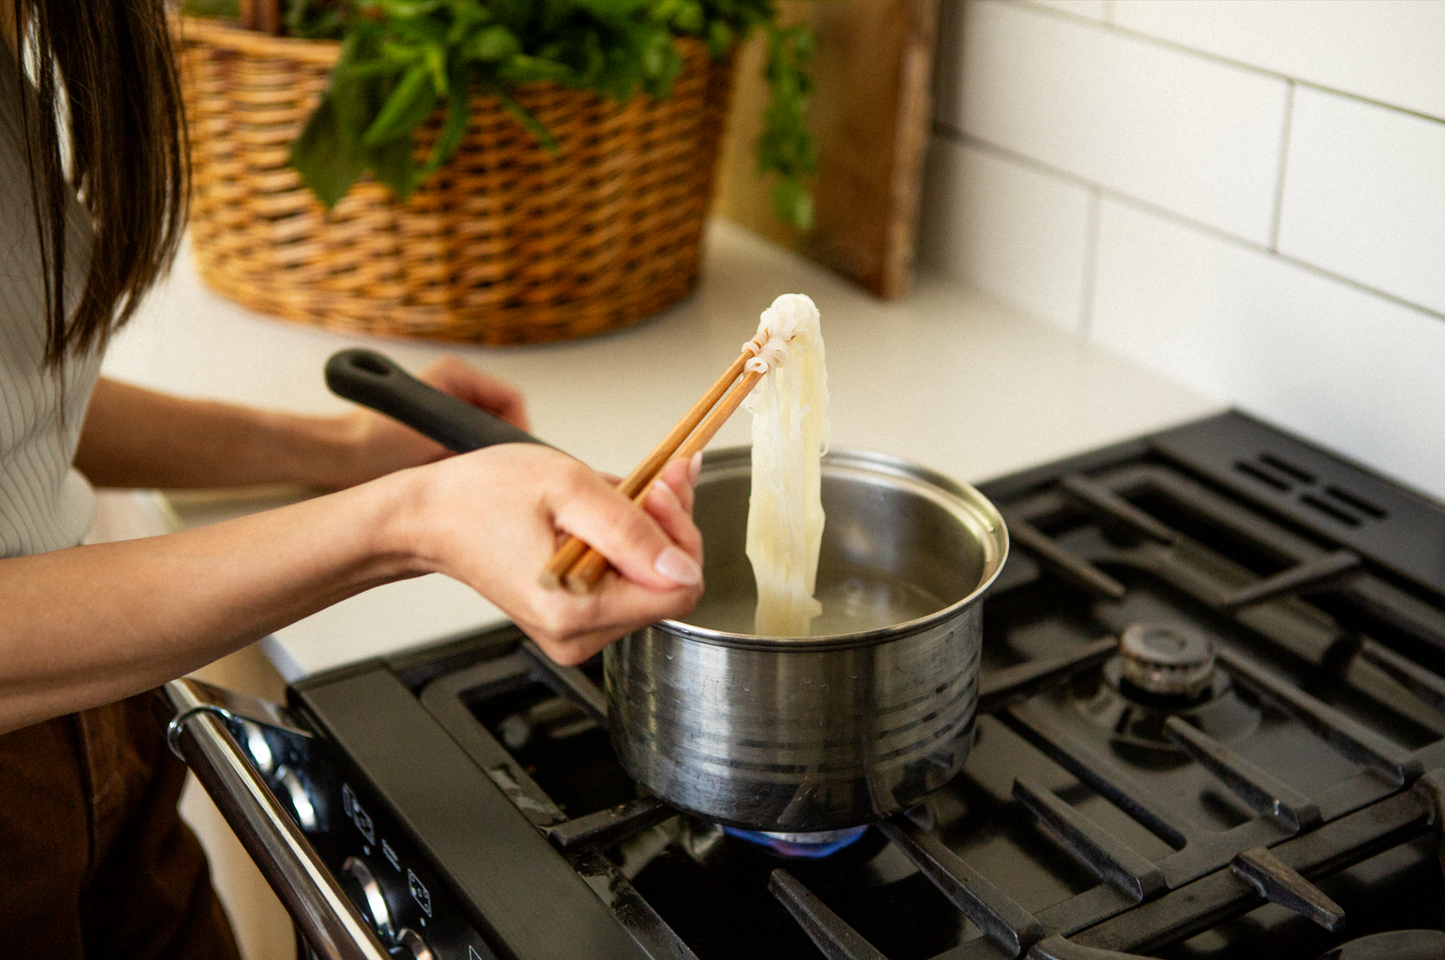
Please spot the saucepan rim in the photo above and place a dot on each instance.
(963, 500)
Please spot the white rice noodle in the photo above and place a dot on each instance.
(790, 435)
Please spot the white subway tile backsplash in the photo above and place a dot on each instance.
(1019, 234)
(1101, 162)
(1183, 132)
(1364, 195)
(1391, 51)
(1092, 9)
(1352, 370)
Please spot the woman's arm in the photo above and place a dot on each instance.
(91, 624)
(134, 437)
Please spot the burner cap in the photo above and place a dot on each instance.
(1167, 659)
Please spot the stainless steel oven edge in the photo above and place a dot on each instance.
(380, 834)
(199, 720)
(521, 893)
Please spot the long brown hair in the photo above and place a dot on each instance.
(106, 68)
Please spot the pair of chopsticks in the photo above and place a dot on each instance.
(575, 564)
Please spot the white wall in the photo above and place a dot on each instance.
(1248, 195)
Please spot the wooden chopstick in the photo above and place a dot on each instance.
(585, 573)
(636, 483)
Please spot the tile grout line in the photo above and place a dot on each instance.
(1109, 26)
(969, 140)
(1091, 266)
(1283, 165)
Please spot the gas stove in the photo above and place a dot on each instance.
(1211, 724)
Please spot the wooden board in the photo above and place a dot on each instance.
(870, 112)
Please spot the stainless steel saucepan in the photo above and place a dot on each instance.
(789, 735)
(862, 720)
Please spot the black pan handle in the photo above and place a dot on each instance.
(374, 381)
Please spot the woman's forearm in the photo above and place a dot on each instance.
(135, 437)
(92, 624)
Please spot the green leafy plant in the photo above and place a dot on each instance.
(786, 147)
(403, 60)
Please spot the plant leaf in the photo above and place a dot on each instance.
(492, 44)
(719, 38)
(393, 166)
(455, 127)
(412, 101)
(793, 203)
(613, 9)
(543, 135)
(405, 9)
(326, 159)
(521, 68)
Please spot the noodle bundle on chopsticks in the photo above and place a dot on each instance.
(790, 435)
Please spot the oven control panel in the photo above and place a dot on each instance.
(406, 903)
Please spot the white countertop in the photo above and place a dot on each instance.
(946, 378)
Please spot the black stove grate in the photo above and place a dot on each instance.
(1139, 904)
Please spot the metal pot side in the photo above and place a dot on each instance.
(809, 734)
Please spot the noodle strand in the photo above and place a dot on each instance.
(790, 435)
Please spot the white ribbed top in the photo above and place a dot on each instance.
(45, 503)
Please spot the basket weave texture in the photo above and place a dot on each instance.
(505, 244)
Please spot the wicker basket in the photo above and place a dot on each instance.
(505, 244)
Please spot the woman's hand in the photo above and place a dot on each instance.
(492, 518)
(374, 445)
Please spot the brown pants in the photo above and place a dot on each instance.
(94, 859)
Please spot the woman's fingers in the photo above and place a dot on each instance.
(616, 608)
(375, 444)
(681, 476)
(669, 502)
(632, 540)
(451, 375)
(571, 628)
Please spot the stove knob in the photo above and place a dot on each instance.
(371, 892)
(412, 945)
(258, 745)
(300, 799)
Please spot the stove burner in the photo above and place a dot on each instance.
(810, 846)
(1164, 670)
(1167, 659)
